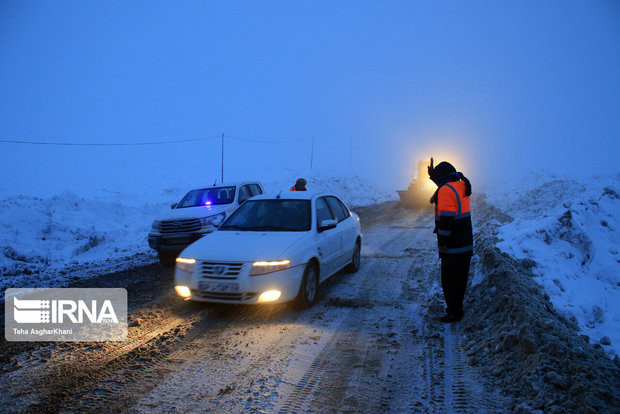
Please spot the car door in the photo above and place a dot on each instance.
(256, 189)
(244, 193)
(346, 229)
(329, 241)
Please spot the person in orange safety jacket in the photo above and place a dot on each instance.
(300, 185)
(454, 234)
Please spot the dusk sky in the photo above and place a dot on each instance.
(500, 88)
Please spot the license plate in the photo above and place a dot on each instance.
(218, 287)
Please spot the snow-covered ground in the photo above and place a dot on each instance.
(43, 234)
(567, 226)
(570, 229)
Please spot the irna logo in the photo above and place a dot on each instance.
(63, 311)
(65, 314)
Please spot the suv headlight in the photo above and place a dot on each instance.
(156, 224)
(185, 264)
(214, 220)
(262, 268)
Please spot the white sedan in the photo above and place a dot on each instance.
(272, 249)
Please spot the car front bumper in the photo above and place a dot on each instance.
(287, 282)
(172, 242)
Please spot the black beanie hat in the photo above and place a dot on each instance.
(442, 169)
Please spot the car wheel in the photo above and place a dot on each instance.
(354, 266)
(309, 287)
(166, 259)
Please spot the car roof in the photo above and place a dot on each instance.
(228, 184)
(292, 195)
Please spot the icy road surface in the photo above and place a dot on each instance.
(371, 344)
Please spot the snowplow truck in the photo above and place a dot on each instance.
(420, 190)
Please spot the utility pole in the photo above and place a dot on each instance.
(351, 153)
(312, 153)
(222, 158)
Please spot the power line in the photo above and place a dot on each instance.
(101, 144)
(263, 141)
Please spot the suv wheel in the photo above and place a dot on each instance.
(166, 258)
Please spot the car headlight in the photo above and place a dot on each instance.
(156, 224)
(269, 296)
(185, 264)
(262, 267)
(214, 220)
(183, 291)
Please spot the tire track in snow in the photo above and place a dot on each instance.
(64, 384)
(207, 342)
(430, 372)
(334, 366)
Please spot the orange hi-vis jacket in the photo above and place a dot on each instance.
(453, 219)
(292, 189)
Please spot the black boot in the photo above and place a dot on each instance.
(450, 318)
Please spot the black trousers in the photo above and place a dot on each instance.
(454, 273)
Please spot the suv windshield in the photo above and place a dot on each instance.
(208, 197)
(270, 215)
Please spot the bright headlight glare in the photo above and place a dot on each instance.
(185, 264)
(273, 263)
(183, 291)
(269, 296)
(264, 267)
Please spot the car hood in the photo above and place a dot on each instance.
(243, 246)
(194, 212)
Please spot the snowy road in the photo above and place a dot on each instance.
(371, 344)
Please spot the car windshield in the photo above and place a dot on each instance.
(208, 197)
(270, 215)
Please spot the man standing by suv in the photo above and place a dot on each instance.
(454, 235)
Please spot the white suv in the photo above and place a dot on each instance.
(200, 212)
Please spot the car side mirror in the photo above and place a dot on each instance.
(173, 206)
(326, 225)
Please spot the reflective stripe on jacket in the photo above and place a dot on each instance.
(453, 219)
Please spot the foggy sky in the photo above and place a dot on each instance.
(500, 88)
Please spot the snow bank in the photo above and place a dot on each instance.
(570, 229)
(45, 241)
(522, 342)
